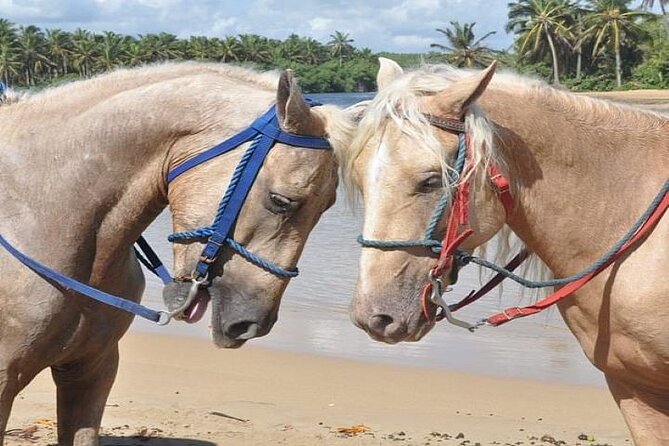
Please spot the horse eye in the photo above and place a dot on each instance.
(280, 204)
(431, 183)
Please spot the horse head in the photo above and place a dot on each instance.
(403, 161)
(291, 191)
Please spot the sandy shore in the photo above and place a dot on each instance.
(176, 391)
(653, 99)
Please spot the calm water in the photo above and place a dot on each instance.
(314, 313)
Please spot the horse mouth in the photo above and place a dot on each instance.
(196, 310)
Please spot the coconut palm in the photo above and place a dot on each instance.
(167, 47)
(539, 21)
(340, 45)
(59, 45)
(10, 65)
(611, 22)
(463, 49)
(31, 46)
(255, 48)
(199, 47)
(84, 51)
(111, 47)
(229, 49)
(134, 53)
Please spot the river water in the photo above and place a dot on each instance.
(314, 312)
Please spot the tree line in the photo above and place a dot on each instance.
(30, 56)
(592, 44)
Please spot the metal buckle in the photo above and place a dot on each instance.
(207, 260)
(436, 297)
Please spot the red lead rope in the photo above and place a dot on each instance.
(458, 230)
(518, 312)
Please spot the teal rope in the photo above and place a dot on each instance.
(465, 258)
(429, 241)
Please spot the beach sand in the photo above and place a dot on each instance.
(181, 391)
(657, 100)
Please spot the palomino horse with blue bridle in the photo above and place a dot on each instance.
(444, 159)
(88, 166)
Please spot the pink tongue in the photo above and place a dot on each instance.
(197, 309)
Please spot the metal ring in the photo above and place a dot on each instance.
(164, 318)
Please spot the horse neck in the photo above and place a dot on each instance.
(583, 171)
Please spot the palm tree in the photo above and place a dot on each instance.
(134, 53)
(463, 50)
(111, 47)
(59, 45)
(610, 23)
(340, 45)
(229, 49)
(312, 51)
(255, 48)
(537, 21)
(199, 47)
(32, 52)
(10, 65)
(84, 52)
(167, 47)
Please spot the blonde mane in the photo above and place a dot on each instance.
(400, 103)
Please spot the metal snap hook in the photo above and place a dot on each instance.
(196, 283)
(437, 298)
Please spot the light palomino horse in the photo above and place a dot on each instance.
(581, 171)
(83, 171)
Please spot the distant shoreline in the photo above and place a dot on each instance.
(657, 100)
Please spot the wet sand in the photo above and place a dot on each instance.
(180, 391)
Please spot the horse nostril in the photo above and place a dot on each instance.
(379, 322)
(242, 330)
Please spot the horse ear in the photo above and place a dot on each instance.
(389, 70)
(456, 99)
(295, 115)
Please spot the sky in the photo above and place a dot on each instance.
(381, 25)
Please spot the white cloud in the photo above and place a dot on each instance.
(382, 25)
(406, 42)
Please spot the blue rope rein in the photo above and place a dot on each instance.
(465, 258)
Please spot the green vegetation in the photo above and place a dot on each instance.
(582, 44)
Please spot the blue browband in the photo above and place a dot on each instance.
(264, 132)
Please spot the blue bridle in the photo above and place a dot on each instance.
(263, 133)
